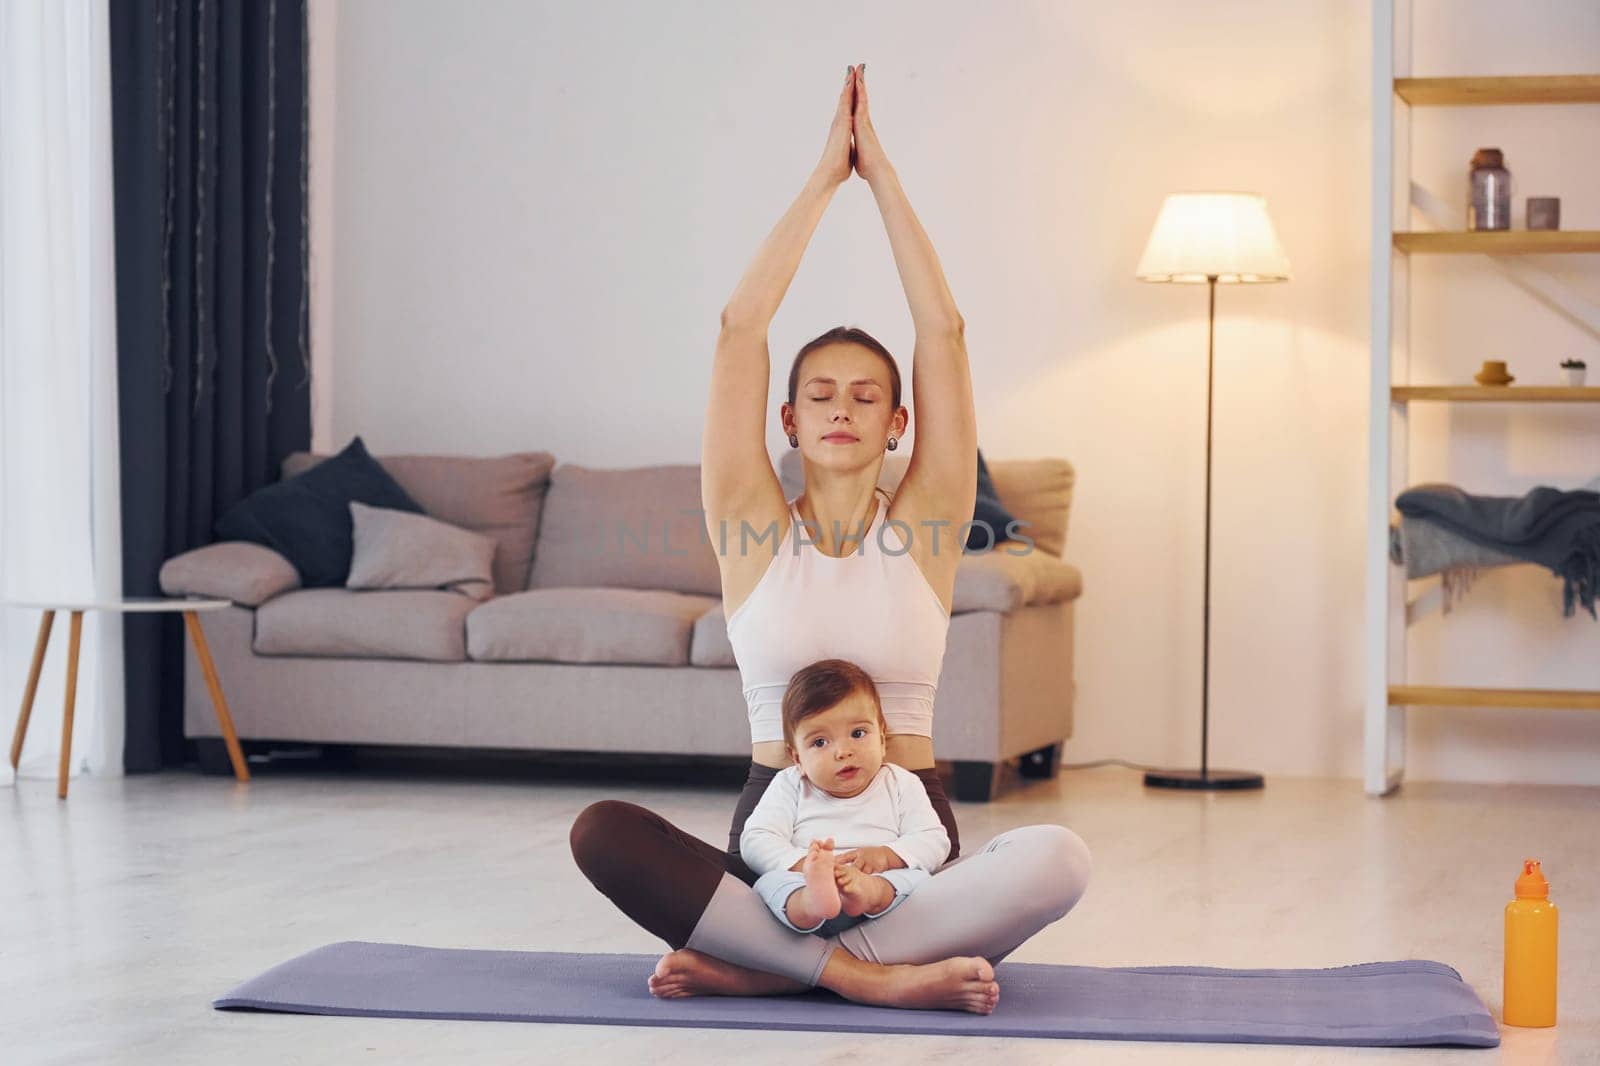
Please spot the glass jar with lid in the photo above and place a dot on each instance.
(1489, 191)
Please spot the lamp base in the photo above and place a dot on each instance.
(1211, 780)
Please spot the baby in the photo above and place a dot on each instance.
(840, 791)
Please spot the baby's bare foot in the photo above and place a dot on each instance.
(819, 899)
(861, 893)
(687, 972)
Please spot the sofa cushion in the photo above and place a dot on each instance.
(306, 518)
(709, 645)
(248, 574)
(586, 625)
(1037, 492)
(1000, 581)
(987, 509)
(398, 550)
(638, 528)
(500, 495)
(387, 624)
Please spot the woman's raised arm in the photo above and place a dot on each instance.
(941, 481)
(734, 466)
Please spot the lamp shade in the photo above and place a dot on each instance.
(1199, 235)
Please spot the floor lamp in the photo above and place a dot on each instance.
(1211, 237)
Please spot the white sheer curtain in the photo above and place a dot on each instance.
(59, 484)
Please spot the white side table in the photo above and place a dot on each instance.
(190, 610)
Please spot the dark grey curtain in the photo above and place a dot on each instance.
(209, 124)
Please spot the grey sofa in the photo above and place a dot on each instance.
(613, 649)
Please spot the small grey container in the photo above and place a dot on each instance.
(1544, 212)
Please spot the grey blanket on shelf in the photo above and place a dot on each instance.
(1426, 549)
(1555, 529)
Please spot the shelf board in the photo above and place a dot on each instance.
(1541, 698)
(1470, 92)
(1496, 393)
(1500, 242)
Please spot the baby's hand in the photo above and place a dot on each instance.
(816, 846)
(872, 860)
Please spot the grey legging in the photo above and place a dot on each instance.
(986, 902)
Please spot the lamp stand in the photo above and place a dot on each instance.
(1206, 778)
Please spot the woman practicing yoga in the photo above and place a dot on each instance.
(837, 586)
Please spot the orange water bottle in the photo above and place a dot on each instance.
(1530, 977)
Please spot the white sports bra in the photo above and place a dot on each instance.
(873, 607)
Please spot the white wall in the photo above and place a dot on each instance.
(538, 211)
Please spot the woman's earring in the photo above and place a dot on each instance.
(794, 442)
(893, 444)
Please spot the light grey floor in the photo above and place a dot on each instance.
(124, 909)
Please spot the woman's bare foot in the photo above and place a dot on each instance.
(819, 899)
(861, 893)
(955, 984)
(687, 972)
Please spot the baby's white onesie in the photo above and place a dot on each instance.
(893, 811)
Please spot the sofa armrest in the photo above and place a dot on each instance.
(999, 581)
(248, 574)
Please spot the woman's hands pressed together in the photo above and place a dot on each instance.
(852, 141)
(869, 160)
(838, 156)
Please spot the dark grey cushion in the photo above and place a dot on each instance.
(988, 510)
(306, 519)
(501, 495)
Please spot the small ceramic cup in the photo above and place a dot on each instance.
(1544, 212)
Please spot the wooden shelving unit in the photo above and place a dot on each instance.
(1542, 698)
(1479, 92)
(1495, 393)
(1501, 242)
(1387, 693)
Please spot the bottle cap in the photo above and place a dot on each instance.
(1488, 157)
(1532, 885)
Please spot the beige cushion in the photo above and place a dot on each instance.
(342, 623)
(403, 550)
(500, 495)
(248, 574)
(638, 528)
(592, 625)
(1039, 492)
(1035, 491)
(1000, 581)
(709, 644)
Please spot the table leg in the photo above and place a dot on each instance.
(75, 631)
(39, 646)
(203, 653)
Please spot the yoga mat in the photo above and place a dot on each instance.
(1382, 1004)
